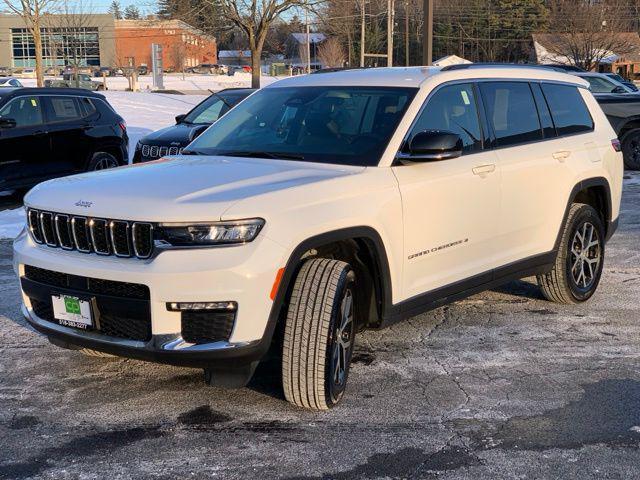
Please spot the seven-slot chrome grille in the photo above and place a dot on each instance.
(155, 151)
(91, 235)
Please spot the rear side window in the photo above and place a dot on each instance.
(63, 109)
(569, 112)
(512, 112)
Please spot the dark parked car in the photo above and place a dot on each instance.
(623, 112)
(171, 140)
(46, 133)
(620, 79)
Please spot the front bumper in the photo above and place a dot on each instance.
(169, 349)
(242, 274)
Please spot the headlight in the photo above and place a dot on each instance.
(214, 233)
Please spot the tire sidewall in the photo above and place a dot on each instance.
(334, 393)
(626, 146)
(585, 214)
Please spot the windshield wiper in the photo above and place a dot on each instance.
(191, 152)
(260, 154)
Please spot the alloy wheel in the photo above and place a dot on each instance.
(342, 343)
(105, 163)
(586, 255)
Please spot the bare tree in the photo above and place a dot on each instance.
(587, 33)
(254, 18)
(179, 56)
(66, 33)
(33, 12)
(331, 53)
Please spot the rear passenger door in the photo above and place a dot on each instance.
(535, 166)
(67, 127)
(450, 207)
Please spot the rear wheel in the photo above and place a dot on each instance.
(578, 267)
(631, 149)
(319, 334)
(102, 161)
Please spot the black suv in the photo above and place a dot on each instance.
(45, 133)
(171, 140)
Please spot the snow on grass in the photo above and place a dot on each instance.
(11, 222)
(175, 81)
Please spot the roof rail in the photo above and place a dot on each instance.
(555, 67)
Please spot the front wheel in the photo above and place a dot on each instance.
(319, 334)
(576, 273)
(631, 149)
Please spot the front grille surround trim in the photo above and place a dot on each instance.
(91, 234)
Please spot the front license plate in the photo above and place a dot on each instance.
(72, 311)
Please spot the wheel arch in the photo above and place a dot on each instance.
(363, 247)
(596, 192)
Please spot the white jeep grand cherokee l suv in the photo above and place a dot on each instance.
(320, 206)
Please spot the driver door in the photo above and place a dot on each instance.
(450, 207)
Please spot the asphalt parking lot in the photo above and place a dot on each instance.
(501, 385)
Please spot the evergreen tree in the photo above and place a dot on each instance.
(116, 10)
(132, 13)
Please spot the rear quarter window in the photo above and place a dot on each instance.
(568, 110)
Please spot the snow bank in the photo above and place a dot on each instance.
(11, 222)
(174, 81)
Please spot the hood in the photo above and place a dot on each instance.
(179, 135)
(189, 188)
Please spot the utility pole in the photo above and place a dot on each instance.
(406, 32)
(427, 40)
(362, 34)
(306, 16)
(390, 5)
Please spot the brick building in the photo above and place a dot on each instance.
(182, 44)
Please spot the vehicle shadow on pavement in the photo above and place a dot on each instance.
(521, 288)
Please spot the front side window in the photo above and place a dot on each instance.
(512, 112)
(342, 125)
(26, 111)
(569, 112)
(452, 108)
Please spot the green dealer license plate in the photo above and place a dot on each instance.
(72, 311)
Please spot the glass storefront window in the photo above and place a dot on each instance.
(61, 46)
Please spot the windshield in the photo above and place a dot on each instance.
(344, 125)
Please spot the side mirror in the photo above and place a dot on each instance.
(180, 118)
(7, 123)
(433, 145)
(619, 90)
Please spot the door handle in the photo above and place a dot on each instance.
(562, 155)
(484, 170)
(39, 133)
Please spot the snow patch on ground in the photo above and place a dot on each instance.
(175, 81)
(631, 178)
(11, 222)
